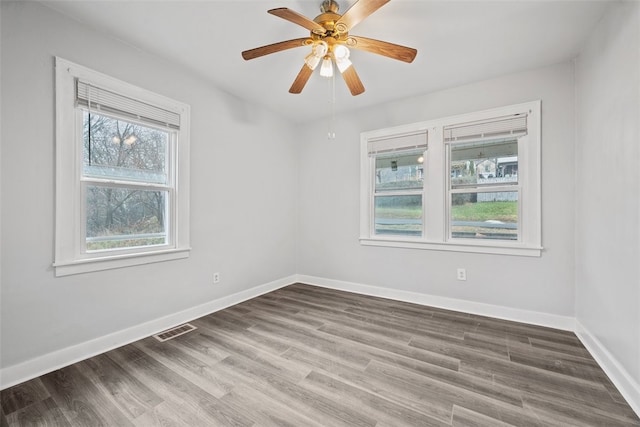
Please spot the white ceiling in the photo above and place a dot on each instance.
(458, 42)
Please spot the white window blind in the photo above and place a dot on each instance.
(478, 150)
(498, 128)
(416, 140)
(104, 100)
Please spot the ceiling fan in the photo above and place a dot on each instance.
(330, 42)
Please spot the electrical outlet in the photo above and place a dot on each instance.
(216, 278)
(462, 274)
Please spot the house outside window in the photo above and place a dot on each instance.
(474, 188)
(122, 184)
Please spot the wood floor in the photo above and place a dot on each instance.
(307, 356)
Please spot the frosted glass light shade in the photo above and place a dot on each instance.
(341, 54)
(318, 51)
(326, 70)
(312, 61)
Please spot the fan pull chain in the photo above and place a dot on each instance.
(331, 133)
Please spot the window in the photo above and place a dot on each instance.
(475, 187)
(398, 184)
(122, 183)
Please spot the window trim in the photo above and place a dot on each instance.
(69, 257)
(436, 193)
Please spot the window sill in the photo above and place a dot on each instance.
(472, 247)
(117, 261)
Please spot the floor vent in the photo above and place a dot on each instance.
(174, 332)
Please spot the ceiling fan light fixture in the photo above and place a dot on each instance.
(343, 64)
(326, 70)
(312, 61)
(341, 54)
(318, 51)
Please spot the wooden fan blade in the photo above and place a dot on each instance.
(357, 12)
(273, 48)
(301, 79)
(296, 18)
(390, 50)
(353, 81)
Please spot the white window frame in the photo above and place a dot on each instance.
(70, 254)
(436, 196)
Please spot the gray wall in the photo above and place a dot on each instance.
(608, 186)
(328, 220)
(243, 193)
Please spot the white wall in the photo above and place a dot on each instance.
(243, 191)
(608, 188)
(328, 220)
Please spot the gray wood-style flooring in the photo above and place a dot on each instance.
(308, 356)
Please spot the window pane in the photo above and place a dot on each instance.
(487, 162)
(123, 150)
(125, 218)
(485, 215)
(400, 172)
(398, 215)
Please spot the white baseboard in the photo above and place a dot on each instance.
(16, 374)
(625, 384)
(566, 323)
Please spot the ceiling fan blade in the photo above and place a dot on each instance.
(296, 18)
(353, 81)
(357, 12)
(301, 79)
(390, 50)
(273, 48)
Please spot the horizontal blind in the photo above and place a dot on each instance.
(496, 128)
(416, 140)
(104, 100)
(484, 150)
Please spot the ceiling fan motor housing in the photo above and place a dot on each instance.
(335, 32)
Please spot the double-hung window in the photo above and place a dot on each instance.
(483, 178)
(474, 188)
(398, 184)
(122, 175)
